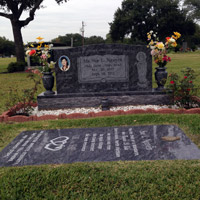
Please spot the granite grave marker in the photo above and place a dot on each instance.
(98, 144)
(85, 75)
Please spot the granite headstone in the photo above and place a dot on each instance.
(103, 68)
(86, 75)
(99, 144)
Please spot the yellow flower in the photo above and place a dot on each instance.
(39, 38)
(40, 42)
(160, 45)
(174, 44)
(151, 43)
(39, 47)
(174, 37)
(149, 37)
(178, 35)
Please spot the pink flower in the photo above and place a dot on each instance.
(43, 56)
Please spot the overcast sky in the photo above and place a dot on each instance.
(55, 20)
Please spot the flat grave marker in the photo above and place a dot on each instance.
(153, 142)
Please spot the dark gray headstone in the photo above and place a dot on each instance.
(104, 68)
(98, 144)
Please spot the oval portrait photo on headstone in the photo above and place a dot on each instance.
(64, 63)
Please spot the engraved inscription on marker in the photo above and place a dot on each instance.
(98, 144)
(107, 68)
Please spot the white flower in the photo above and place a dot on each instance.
(27, 52)
(171, 40)
(151, 31)
(50, 46)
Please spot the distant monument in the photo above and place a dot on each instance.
(120, 73)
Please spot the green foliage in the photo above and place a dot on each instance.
(192, 7)
(94, 40)
(23, 99)
(16, 67)
(7, 47)
(182, 89)
(67, 39)
(4, 62)
(137, 17)
(77, 40)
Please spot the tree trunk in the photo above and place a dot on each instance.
(19, 46)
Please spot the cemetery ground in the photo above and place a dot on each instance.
(167, 179)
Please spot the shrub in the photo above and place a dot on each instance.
(16, 67)
(21, 101)
(182, 89)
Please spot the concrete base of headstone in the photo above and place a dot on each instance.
(73, 100)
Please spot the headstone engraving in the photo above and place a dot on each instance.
(98, 144)
(107, 68)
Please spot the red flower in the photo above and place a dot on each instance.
(185, 77)
(188, 89)
(190, 81)
(165, 58)
(167, 38)
(169, 59)
(172, 82)
(32, 52)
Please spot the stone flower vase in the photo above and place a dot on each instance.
(48, 82)
(161, 77)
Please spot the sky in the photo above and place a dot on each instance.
(55, 20)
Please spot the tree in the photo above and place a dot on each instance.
(192, 8)
(7, 47)
(137, 17)
(94, 40)
(13, 9)
(68, 38)
(77, 39)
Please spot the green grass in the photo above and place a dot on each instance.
(104, 180)
(4, 63)
(181, 61)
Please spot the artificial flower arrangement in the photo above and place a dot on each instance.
(43, 53)
(159, 50)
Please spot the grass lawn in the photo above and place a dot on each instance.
(177, 180)
(165, 180)
(4, 63)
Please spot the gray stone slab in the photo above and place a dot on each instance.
(98, 144)
(61, 101)
(103, 68)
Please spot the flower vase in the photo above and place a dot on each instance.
(161, 77)
(48, 82)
